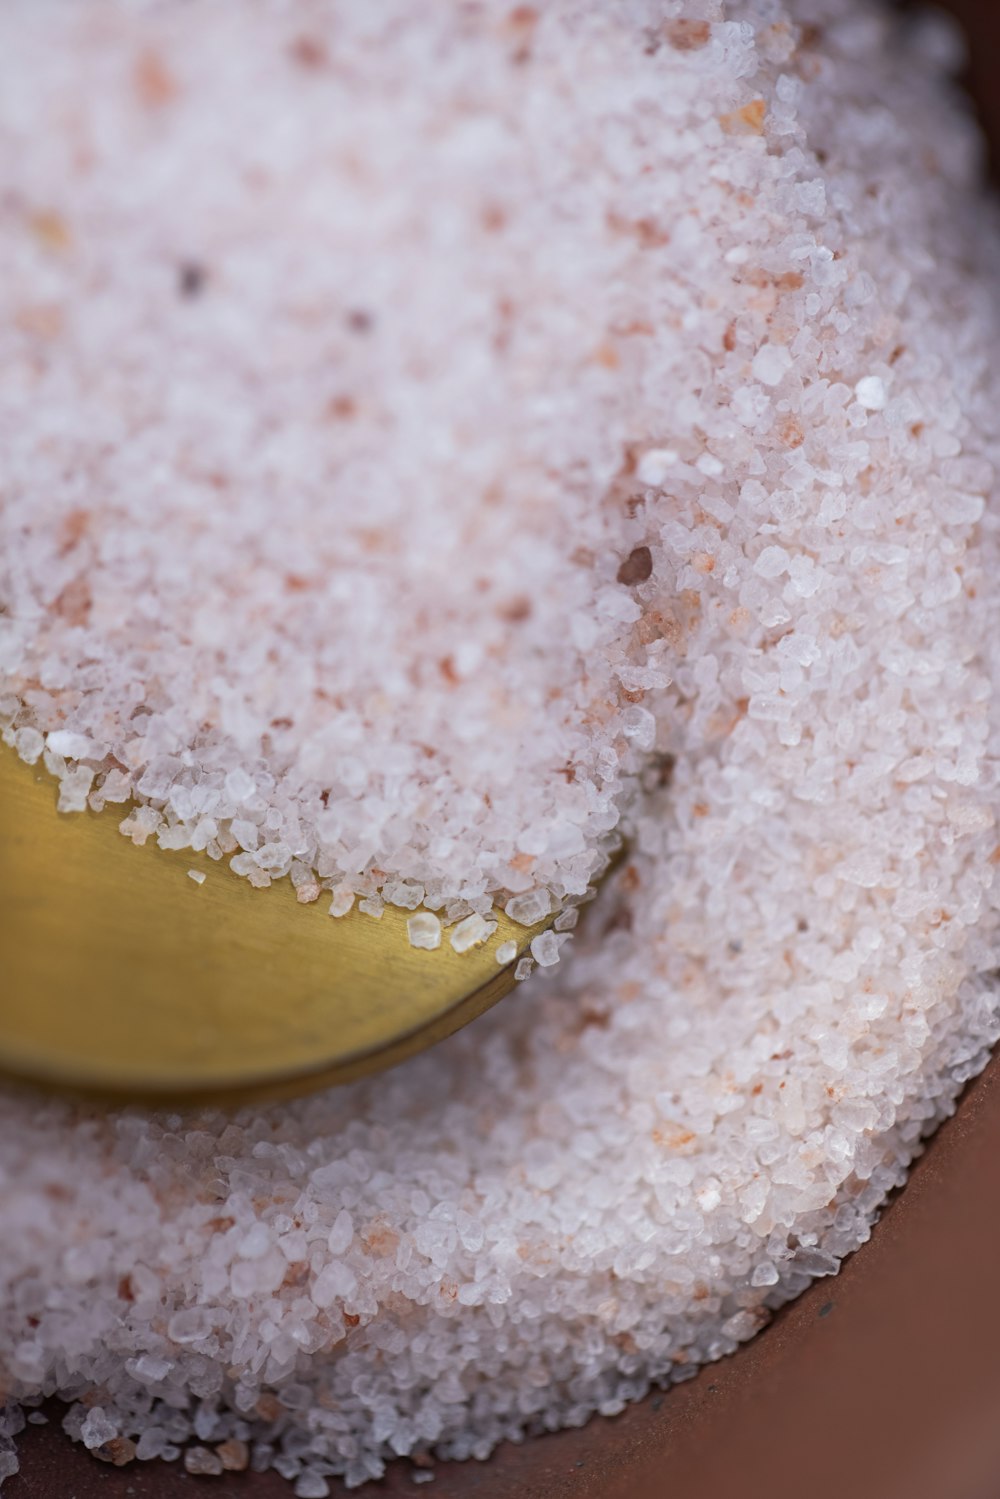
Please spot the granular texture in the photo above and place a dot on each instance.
(621, 1172)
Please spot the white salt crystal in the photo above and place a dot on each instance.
(472, 932)
(72, 746)
(639, 725)
(151, 1443)
(424, 930)
(871, 393)
(97, 1428)
(197, 875)
(341, 1233)
(654, 466)
(246, 833)
(545, 949)
(255, 1242)
(189, 1325)
(240, 787)
(772, 562)
(311, 1486)
(333, 1283)
(341, 901)
(74, 789)
(529, 908)
(29, 744)
(506, 953)
(771, 364)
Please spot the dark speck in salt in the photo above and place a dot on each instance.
(191, 278)
(637, 567)
(360, 321)
(309, 53)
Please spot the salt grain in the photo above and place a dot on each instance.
(871, 393)
(203, 1462)
(472, 932)
(771, 364)
(197, 875)
(424, 930)
(529, 908)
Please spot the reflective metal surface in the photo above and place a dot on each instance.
(122, 976)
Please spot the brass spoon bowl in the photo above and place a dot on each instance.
(121, 976)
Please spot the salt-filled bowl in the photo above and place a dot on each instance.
(878, 1382)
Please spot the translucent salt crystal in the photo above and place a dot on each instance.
(764, 1274)
(248, 1277)
(506, 953)
(567, 920)
(472, 932)
(403, 893)
(816, 1262)
(150, 1369)
(97, 1428)
(654, 465)
(311, 1485)
(742, 1325)
(333, 1283)
(29, 744)
(246, 833)
(71, 746)
(274, 856)
(527, 909)
(240, 787)
(150, 1443)
(772, 562)
(197, 875)
(341, 1233)
(871, 393)
(771, 364)
(189, 1325)
(372, 905)
(545, 949)
(524, 968)
(341, 900)
(424, 930)
(421, 1475)
(74, 789)
(203, 1461)
(639, 725)
(255, 1243)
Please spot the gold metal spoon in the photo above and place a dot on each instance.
(121, 976)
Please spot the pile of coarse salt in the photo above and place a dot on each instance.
(770, 213)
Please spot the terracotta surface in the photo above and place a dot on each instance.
(883, 1383)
